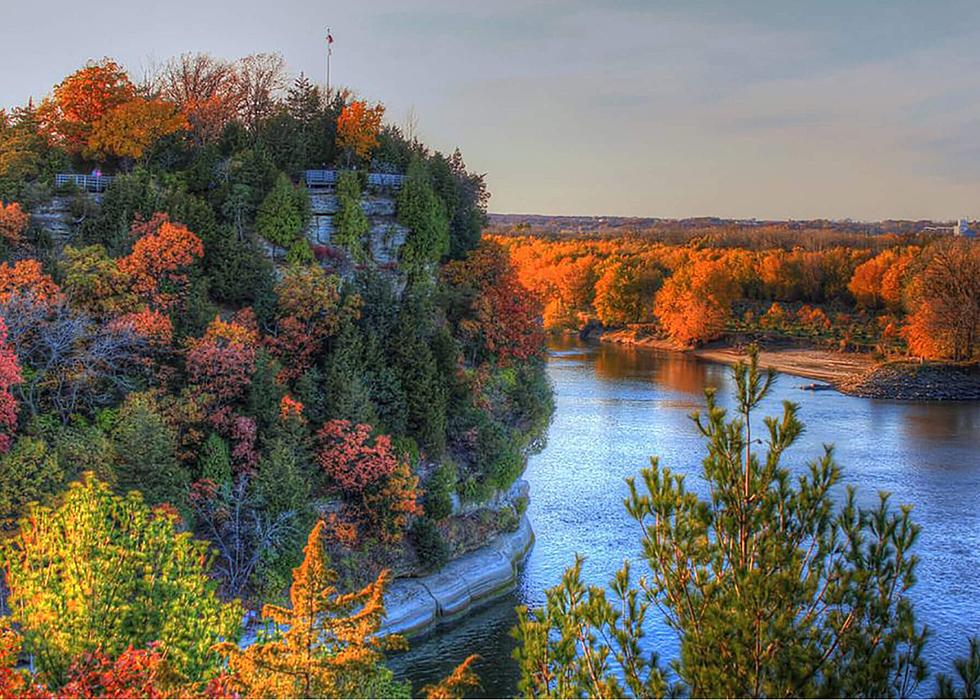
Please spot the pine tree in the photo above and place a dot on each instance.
(421, 210)
(351, 223)
(773, 589)
(280, 216)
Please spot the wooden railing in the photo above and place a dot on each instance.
(88, 183)
(328, 178)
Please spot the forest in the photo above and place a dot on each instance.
(909, 293)
(205, 412)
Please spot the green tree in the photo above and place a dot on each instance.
(146, 452)
(29, 472)
(773, 589)
(968, 670)
(214, 460)
(281, 216)
(101, 571)
(351, 223)
(421, 210)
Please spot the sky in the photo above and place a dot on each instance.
(758, 108)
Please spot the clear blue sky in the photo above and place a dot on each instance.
(776, 108)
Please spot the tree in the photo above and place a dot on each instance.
(280, 218)
(326, 645)
(103, 572)
(94, 283)
(420, 210)
(159, 261)
(945, 301)
(81, 100)
(260, 77)
(310, 311)
(493, 312)
(207, 91)
(968, 670)
(25, 278)
(30, 472)
(624, 294)
(350, 223)
(10, 376)
(695, 302)
(357, 129)
(773, 589)
(131, 129)
(222, 361)
(146, 452)
(369, 473)
(13, 223)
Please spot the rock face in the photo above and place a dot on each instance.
(385, 237)
(56, 218)
(415, 605)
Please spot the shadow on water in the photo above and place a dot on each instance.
(616, 406)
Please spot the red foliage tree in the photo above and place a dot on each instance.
(222, 361)
(500, 316)
(380, 485)
(9, 376)
(137, 673)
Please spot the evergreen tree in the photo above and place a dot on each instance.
(773, 589)
(351, 223)
(421, 210)
(146, 452)
(214, 460)
(280, 217)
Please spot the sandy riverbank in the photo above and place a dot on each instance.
(812, 363)
(850, 373)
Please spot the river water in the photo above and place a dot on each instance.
(616, 406)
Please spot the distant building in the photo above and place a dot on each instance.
(962, 228)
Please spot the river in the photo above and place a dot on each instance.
(616, 406)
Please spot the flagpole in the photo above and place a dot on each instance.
(329, 51)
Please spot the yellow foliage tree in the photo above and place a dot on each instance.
(326, 645)
(132, 128)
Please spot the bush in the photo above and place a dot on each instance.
(429, 544)
(438, 492)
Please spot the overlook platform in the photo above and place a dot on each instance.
(327, 179)
(86, 183)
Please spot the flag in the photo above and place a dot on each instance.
(329, 42)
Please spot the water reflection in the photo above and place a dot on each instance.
(617, 406)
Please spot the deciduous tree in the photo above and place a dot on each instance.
(357, 129)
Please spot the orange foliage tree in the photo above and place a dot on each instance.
(695, 302)
(13, 222)
(25, 277)
(132, 128)
(357, 129)
(326, 645)
(625, 292)
(495, 313)
(945, 302)
(81, 100)
(159, 260)
(310, 311)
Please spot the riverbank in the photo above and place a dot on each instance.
(856, 374)
(415, 605)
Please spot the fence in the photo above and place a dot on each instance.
(88, 183)
(328, 178)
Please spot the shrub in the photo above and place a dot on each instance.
(429, 544)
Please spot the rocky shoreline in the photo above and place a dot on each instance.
(856, 374)
(415, 605)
